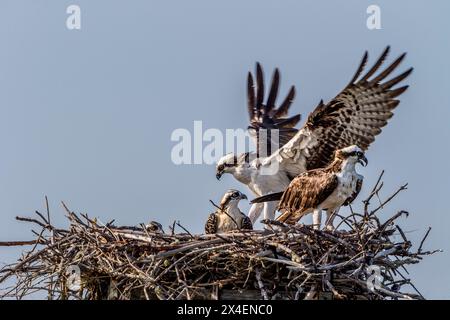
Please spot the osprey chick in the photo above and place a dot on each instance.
(154, 226)
(328, 188)
(228, 217)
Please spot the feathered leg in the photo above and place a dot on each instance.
(317, 218)
(269, 209)
(255, 211)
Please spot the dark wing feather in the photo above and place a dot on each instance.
(211, 224)
(270, 104)
(267, 116)
(306, 192)
(357, 114)
(246, 223)
(282, 111)
(268, 197)
(355, 193)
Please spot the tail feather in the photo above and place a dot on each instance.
(268, 197)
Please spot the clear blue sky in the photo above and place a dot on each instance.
(86, 116)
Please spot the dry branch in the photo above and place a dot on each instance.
(287, 262)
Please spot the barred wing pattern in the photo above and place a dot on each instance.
(266, 115)
(246, 223)
(211, 224)
(354, 117)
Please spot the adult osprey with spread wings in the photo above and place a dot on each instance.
(354, 117)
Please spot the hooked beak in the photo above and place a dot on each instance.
(363, 161)
(243, 196)
(219, 175)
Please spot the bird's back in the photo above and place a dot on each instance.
(306, 192)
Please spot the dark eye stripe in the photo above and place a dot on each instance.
(235, 195)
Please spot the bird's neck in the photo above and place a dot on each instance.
(243, 173)
(339, 165)
(233, 210)
(348, 166)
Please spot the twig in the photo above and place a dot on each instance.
(423, 240)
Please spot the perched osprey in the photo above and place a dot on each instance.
(228, 217)
(354, 117)
(328, 188)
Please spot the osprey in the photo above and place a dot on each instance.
(327, 188)
(228, 217)
(154, 226)
(354, 117)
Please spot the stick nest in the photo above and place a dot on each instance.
(364, 258)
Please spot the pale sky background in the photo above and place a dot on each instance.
(86, 116)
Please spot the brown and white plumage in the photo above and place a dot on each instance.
(354, 117)
(306, 191)
(154, 226)
(326, 188)
(228, 217)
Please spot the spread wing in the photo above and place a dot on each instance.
(267, 116)
(211, 224)
(355, 116)
(246, 223)
(306, 192)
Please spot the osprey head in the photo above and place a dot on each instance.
(226, 164)
(231, 197)
(352, 153)
(154, 226)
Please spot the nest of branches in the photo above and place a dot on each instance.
(364, 258)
